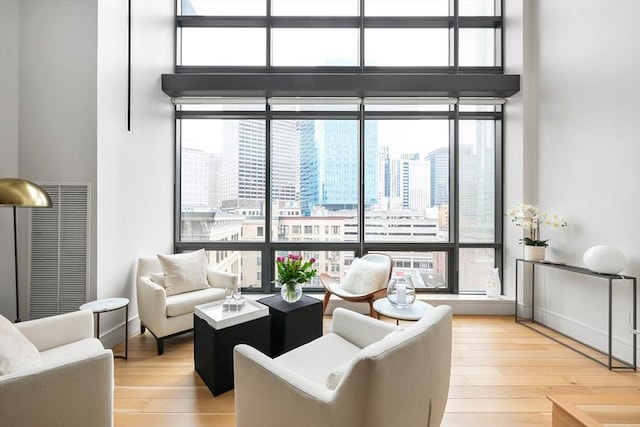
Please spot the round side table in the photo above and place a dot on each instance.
(413, 312)
(110, 304)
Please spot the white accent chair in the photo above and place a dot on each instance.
(72, 386)
(168, 316)
(365, 373)
(374, 288)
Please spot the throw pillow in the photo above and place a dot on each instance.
(185, 272)
(364, 277)
(16, 351)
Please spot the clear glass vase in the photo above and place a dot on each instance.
(401, 293)
(291, 292)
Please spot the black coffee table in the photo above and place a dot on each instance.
(293, 324)
(217, 332)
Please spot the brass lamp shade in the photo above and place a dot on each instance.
(22, 193)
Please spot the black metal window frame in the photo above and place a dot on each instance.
(453, 23)
(371, 76)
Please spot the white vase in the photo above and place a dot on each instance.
(534, 253)
(493, 288)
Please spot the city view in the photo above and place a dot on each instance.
(420, 179)
(315, 192)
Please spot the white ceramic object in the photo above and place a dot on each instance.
(604, 259)
(493, 287)
(534, 253)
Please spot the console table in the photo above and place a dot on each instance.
(611, 278)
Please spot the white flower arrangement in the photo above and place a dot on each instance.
(529, 218)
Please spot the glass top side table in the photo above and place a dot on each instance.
(413, 312)
(111, 304)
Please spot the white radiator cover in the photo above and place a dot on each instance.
(59, 251)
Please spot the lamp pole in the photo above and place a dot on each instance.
(16, 192)
(15, 263)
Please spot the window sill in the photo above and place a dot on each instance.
(461, 304)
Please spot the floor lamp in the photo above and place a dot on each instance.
(20, 193)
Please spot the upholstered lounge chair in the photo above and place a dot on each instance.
(66, 380)
(365, 281)
(167, 315)
(365, 373)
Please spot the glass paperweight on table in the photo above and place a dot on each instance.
(401, 292)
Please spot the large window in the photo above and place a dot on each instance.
(336, 175)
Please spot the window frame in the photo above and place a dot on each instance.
(453, 23)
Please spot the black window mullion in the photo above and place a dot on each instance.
(268, 247)
(361, 176)
(454, 227)
(267, 252)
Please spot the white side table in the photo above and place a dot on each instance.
(413, 312)
(106, 305)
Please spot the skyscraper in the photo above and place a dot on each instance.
(194, 191)
(308, 167)
(285, 160)
(242, 165)
(439, 168)
(337, 163)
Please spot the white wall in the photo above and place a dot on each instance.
(9, 57)
(63, 76)
(585, 145)
(48, 72)
(136, 169)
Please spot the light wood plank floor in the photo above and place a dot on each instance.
(501, 375)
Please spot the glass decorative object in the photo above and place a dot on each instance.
(291, 292)
(401, 293)
(493, 288)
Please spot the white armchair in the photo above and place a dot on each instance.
(365, 373)
(169, 315)
(71, 382)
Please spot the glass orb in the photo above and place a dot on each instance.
(401, 293)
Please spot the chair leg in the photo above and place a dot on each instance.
(372, 312)
(325, 301)
(160, 345)
(142, 328)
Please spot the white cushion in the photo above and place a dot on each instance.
(185, 303)
(16, 351)
(76, 350)
(365, 277)
(185, 272)
(315, 362)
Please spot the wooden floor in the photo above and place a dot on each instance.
(502, 373)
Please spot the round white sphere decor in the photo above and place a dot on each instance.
(604, 259)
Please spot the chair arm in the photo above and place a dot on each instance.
(327, 280)
(152, 303)
(58, 330)
(222, 279)
(71, 394)
(358, 329)
(301, 402)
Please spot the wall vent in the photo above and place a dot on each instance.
(60, 251)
